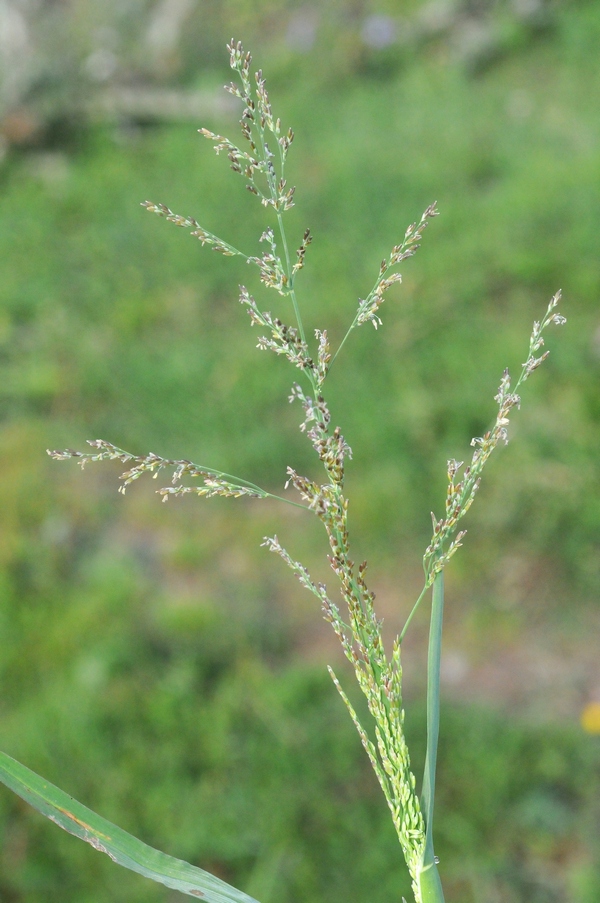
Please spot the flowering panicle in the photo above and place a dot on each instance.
(379, 674)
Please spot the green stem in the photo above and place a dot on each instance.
(280, 498)
(429, 880)
(288, 261)
(430, 885)
(342, 343)
(288, 264)
(355, 320)
(220, 474)
(411, 615)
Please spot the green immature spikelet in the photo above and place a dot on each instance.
(260, 160)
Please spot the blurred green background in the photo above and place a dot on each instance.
(155, 662)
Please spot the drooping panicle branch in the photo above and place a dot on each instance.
(216, 482)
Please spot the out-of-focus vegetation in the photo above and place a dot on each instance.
(154, 661)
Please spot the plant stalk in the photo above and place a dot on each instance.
(430, 884)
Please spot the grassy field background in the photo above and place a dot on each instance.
(155, 661)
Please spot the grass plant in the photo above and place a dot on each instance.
(261, 162)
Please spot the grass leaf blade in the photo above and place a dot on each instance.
(123, 848)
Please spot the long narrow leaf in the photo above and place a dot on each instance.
(122, 848)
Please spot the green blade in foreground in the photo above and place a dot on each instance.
(122, 848)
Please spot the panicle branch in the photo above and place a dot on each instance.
(272, 270)
(257, 119)
(331, 447)
(317, 589)
(215, 481)
(301, 252)
(379, 678)
(188, 222)
(323, 357)
(536, 341)
(460, 495)
(367, 308)
(284, 339)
